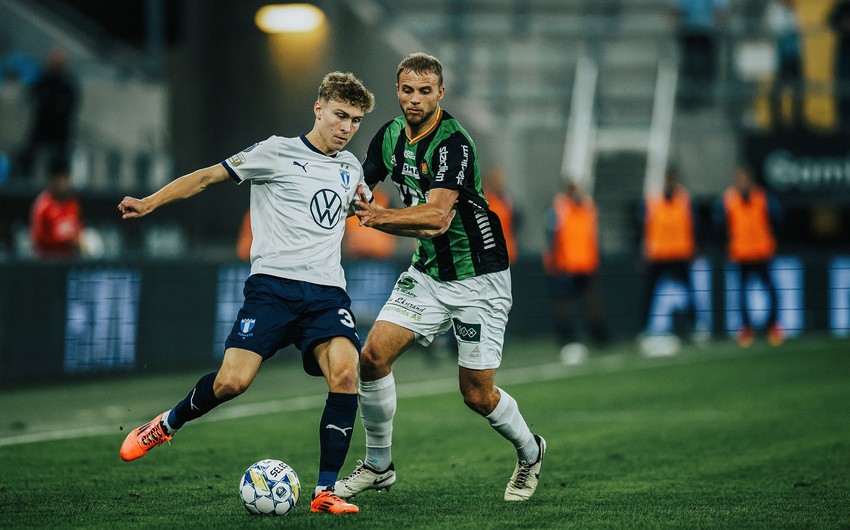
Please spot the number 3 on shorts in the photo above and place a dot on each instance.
(346, 317)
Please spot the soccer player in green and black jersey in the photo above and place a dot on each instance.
(459, 277)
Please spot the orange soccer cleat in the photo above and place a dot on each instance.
(328, 501)
(143, 439)
(745, 336)
(775, 335)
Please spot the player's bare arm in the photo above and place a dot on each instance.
(422, 221)
(178, 189)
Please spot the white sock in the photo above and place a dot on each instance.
(377, 408)
(508, 421)
(168, 429)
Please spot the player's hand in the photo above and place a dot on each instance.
(132, 208)
(366, 211)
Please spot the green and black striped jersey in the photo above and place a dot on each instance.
(443, 157)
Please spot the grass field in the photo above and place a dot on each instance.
(716, 437)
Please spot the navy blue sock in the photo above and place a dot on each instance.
(335, 432)
(197, 403)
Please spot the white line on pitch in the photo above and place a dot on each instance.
(506, 376)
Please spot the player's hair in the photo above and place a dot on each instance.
(344, 87)
(421, 63)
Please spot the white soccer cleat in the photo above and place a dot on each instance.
(362, 479)
(524, 480)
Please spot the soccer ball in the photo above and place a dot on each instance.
(269, 487)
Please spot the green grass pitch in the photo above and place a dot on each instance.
(715, 437)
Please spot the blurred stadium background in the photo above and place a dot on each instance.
(549, 89)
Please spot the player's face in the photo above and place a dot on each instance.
(418, 96)
(336, 124)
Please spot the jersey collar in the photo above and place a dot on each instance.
(312, 147)
(433, 126)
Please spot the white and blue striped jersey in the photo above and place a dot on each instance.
(300, 198)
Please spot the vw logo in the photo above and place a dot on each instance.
(325, 207)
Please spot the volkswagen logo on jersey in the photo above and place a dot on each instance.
(325, 208)
(345, 176)
(246, 325)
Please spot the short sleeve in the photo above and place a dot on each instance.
(374, 170)
(253, 163)
(366, 189)
(453, 160)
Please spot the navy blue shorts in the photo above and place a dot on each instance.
(278, 312)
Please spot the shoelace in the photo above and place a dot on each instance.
(522, 474)
(359, 470)
(329, 498)
(153, 436)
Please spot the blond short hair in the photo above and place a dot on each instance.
(344, 87)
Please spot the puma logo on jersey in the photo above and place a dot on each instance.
(302, 166)
(332, 426)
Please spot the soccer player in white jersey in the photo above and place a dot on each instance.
(458, 278)
(301, 190)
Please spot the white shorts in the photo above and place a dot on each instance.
(477, 308)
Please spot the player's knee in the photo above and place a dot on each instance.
(343, 380)
(478, 400)
(371, 362)
(226, 387)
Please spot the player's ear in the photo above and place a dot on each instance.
(317, 109)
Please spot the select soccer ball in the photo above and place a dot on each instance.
(269, 487)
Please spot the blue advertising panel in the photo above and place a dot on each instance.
(787, 275)
(671, 296)
(229, 298)
(102, 313)
(839, 296)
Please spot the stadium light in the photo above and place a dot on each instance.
(289, 18)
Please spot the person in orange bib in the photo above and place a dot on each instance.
(749, 216)
(669, 242)
(498, 196)
(245, 238)
(572, 264)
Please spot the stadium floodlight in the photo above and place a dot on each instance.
(289, 18)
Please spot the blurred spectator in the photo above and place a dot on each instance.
(572, 262)
(497, 194)
(54, 102)
(749, 216)
(669, 241)
(246, 237)
(369, 269)
(699, 25)
(55, 219)
(780, 20)
(839, 20)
